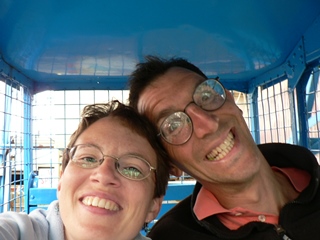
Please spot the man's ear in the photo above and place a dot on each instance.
(154, 209)
(175, 171)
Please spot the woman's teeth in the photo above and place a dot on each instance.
(100, 203)
(222, 150)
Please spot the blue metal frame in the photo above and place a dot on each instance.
(6, 142)
(254, 112)
(296, 67)
(27, 145)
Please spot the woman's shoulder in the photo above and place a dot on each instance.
(39, 224)
(141, 237)
(12, 224)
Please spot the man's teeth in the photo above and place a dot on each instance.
(100, 203)
(222, 150)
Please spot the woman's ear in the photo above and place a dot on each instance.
(154, 209)
(59, 183)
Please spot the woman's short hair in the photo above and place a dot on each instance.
(137, 123)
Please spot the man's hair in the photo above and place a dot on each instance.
(152, 68)
(135, 122)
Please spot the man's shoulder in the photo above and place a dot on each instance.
(284, 149)
(288, 155)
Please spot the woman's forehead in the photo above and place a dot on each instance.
(112, 134)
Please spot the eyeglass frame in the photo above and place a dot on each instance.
(100, 161)
(187, 116)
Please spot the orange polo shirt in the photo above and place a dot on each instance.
(207, 205)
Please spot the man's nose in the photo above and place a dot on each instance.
(204, 122)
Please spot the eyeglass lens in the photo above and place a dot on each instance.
(177, 128)
(209, 95)
(129, 166)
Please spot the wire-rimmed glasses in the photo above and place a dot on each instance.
(177, 128)
(130, 166)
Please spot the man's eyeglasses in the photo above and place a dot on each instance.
(129, 166)
(177, 128)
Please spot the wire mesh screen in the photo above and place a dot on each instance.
(312, 103)
(56, 115)
(14, 131)
(274, 114)
(242, 101)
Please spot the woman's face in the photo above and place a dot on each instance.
(124, 205)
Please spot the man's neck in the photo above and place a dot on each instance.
(267, 191)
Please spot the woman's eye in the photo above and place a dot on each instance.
(132, 172)
(88, 159)
(85, 162)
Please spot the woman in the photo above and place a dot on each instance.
(114, 177)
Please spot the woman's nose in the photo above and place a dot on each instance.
(204, 122)
(106, 173)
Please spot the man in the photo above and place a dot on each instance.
(243, 191)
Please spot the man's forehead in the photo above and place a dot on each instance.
(177, 77)
(181, 72)
(151, 101)
(165, 97)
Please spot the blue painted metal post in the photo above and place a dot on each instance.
(294, 117)
(27, 145)
(254, 115)
(302, 110)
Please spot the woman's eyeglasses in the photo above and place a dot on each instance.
(129, 166)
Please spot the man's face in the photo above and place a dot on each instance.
(221, 149)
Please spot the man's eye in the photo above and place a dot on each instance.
(206, 96)
(174, 126)
(174, 123)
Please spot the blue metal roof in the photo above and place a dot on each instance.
(75, 44)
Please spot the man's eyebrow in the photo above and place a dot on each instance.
(165, 113)
(168, 111)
